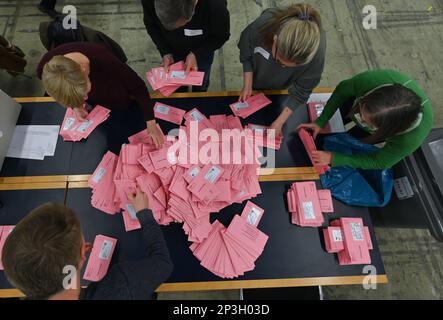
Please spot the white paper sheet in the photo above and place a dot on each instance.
(33, 142)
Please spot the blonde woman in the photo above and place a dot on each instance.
(283, 49)
(80, 72)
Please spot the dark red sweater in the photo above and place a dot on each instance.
(114, 84)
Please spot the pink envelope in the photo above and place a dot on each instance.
(100, 258)
(168, 113)
(247, 235)
(130, 223)
(308, 204)
(203, 186)
(310, 146)
(197, 116)
(356, 249)
(105, 169)
(140, 137)
(368, 238)
(333, 239)
(252, 213)
(193, 78)
(325, 201)
(4, 233)
(163, 158)
(250, 106)
(131, 153)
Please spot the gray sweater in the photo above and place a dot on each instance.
(136, 279)
(268, 74)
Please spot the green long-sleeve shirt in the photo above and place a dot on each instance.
(397, 147)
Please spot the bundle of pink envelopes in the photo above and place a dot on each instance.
(186, 180)
(74, 130)
(168, 82)
(350, 239)
(99, 258)
(4, 233)
(251, 105)
(308, 142)
(307, 204)
(230, 252)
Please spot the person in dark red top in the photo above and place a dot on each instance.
(80, 72)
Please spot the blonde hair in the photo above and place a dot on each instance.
(297, 28)
(65, 81)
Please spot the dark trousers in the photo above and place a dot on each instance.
(204, 63)
(48, 4)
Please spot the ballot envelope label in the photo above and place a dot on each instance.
(84, 126)
(162, 109)
(337, 236)
(357, 232)
(131, 211)
(99, 175)
(69, 123)
(308, 209)
(212, 174)
(105, 251)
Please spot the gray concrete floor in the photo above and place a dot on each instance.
(408, 39)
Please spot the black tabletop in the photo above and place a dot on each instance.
(291, 251)
(38, 113)
(18, 203)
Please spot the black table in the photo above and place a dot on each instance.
(293, 256)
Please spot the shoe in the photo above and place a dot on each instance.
(50, 12)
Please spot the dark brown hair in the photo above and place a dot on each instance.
(298, 29)
(391, 109)
(40, 246)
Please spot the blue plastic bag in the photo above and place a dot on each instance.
(356, 187)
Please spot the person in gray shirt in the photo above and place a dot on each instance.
(283, 49)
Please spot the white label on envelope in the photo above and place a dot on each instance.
(336, 236)
(178, 75)
(403, 188)
(308, 210)
(162, 109)
(194, 172)
(85, 125)
(105, 251)
(253, 216)
(196, 116)
(193, 33)
(212, 174)
(131, 211)
(357, 232)
(241, 105)
(68, 124)
(99, 175)
(262, 51)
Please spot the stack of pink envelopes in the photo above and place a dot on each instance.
(75, 130)
(310, 146)
(230, 252)
(168, 82)
(99, 258)
(4, 233)
(264, 137)
(181, 185)
(250, 106)
(350, 239)
(307, 204)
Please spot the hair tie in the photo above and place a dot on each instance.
(304, 17)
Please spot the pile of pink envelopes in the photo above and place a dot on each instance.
(168, 82)
(182, 185)
(307, 204)
(75, 130)
(99, 258)
(350, 239)
(250, 106)
(4, 233)
(308, 142)
(230, 252)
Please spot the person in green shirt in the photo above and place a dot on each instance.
(387, 107)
